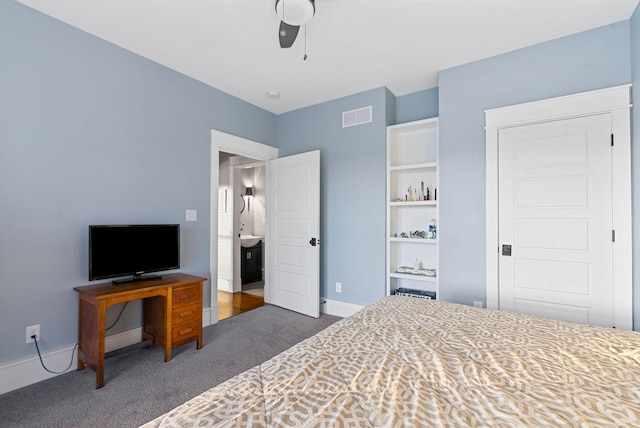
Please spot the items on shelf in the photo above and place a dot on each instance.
(417, 271)
(416, 234)
(413, 195)
(415, 293)
(433, 228)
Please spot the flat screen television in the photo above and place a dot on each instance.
(133, 249)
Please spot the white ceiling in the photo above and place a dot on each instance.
(352, 45)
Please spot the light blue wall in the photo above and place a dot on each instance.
(91, 133)
(590, 60)
(635, 156)
(352, 174)
(417, 105)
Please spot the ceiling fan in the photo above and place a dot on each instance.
(293, 14)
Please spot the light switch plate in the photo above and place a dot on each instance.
(192, 215)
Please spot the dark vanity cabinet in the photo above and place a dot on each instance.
(251, 266)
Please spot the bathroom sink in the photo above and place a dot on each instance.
(249, 240)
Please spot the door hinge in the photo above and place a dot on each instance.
(611, 140)
(613, 236)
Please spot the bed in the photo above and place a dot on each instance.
(405, 361)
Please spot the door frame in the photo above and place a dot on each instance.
(228, 143)
(616, 102)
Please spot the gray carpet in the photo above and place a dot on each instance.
(140, 386)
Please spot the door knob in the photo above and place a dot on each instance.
(506, 250)
(313, 242)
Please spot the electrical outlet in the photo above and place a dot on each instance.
(477, 304)
(34, 329)
(192, 215)
(338, 287)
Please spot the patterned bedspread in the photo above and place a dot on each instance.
(407, 362)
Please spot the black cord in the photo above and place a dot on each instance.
(117, 319)
(42, 362)
(305, 43)
(74, 346)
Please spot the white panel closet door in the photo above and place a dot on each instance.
(555, 210)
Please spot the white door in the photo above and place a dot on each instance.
(295, 226)
(555, 211)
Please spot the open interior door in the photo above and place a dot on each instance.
(295, 227)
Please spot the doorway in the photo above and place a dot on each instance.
(241, 234)
(292, 217)
(224, 147)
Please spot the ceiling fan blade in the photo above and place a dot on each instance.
(287, 34)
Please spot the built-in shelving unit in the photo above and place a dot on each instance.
(412, 173)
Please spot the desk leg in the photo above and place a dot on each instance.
(91, 320)
(168, 342)
(199, 342)
(102, 314)
(81, 344)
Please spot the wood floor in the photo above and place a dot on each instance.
(230, 304)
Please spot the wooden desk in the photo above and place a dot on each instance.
(172, 316)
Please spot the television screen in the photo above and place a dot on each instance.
(121, 250)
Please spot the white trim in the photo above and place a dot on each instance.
(616, 101)
(20, 373)
(582, 104)
(233, 144)
(337, 308)
(206, 316)
(122, 339)
(622, 220)
(228, 143)
(27, 371)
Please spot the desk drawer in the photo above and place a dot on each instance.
(185, 314)
(185, 295)
(189, 331)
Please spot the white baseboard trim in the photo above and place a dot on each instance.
(123, 339)
(337, 308)
(20, 373)
(210, 315)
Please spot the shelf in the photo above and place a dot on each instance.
(414, 240)
(413, 277)
(428, 165)
(412, 166)
(414, 204)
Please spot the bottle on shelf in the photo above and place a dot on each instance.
(433, 229)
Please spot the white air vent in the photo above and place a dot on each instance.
(357, 116)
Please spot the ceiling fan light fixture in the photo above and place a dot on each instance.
(295, 12)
